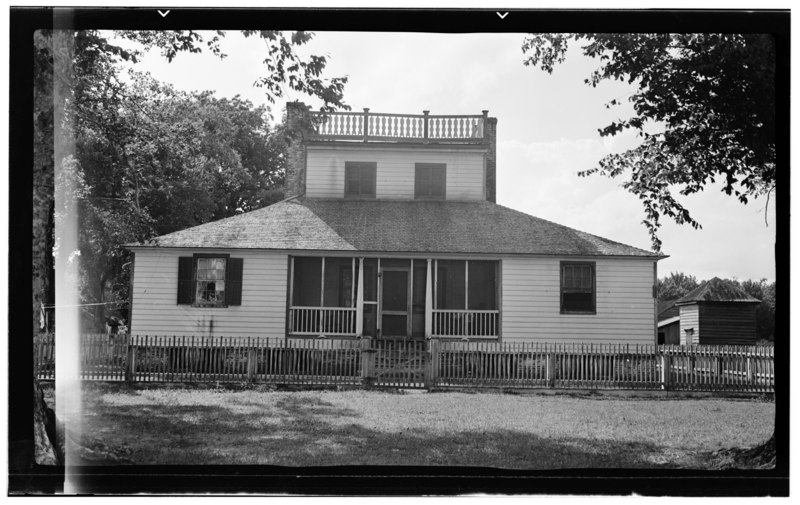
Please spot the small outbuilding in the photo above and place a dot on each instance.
(669, 322)
(718, 312)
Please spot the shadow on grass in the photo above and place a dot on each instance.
(304, 431)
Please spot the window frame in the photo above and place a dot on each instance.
(432, 168)
(195, 260)
(340, 276)
(440, 284)
(360, 166)
(562, 290)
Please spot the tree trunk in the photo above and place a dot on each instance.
(47, 449)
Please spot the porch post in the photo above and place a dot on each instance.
(428, 302)
(360, 299)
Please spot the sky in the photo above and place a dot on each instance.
(546, 133)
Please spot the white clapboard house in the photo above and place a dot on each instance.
(390, 229)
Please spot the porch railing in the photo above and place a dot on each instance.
(417, 128)
(338, 321)
(465, 323)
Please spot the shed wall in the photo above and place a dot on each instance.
(625, 304)
(155, 289)
(395, 171)
(728, 324)
(690, 320)
(671, 333)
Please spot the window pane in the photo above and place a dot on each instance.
(420, 282)
(581, 302)
(450, 284)
(306, 286)
(370, 319)
(395, 290)
(418, 299)
(338, 282)
(482, 285)
(370, 280)
(586, 277)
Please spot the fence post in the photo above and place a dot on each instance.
(425, 125)
(550, 379)
(367, 362)
(130, 372)
(665, 371)
(432, 366)
(251, 362)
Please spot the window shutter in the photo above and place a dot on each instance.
(185, 280)
(430, 180)
(233, 284)
(437, 182)
(368, 180)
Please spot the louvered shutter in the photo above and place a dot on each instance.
(233, 283)
(185, 280)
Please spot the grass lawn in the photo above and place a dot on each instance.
(178, 425)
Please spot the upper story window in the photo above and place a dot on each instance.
(359, 179)
(430, 181)
(578, 288)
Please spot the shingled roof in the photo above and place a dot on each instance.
(717, 290)
(667, 310)
(394, 226)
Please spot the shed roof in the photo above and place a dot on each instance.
(717, 290)
(394, 226)
(667, 309)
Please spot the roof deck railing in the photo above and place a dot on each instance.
(369, 126)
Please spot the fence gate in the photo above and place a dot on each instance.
(397, 363)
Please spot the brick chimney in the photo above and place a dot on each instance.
(297, 127)
(490, 135)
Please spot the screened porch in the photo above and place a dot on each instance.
(393, 297)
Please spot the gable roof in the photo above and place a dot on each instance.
(717, 290)
(394, 226)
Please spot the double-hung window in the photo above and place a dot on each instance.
(430, 180)
(210, 280)
(578, 288)
(359, 179)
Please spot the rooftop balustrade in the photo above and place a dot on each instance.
(422, 128)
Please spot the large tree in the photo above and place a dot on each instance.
(147, 159)
(153, 160)
(704, 106)
(88, 127)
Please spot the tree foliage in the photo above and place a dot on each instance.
(284, 66)
(149, 159)
(674, 286)
(714, 96)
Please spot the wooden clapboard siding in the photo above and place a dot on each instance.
(156, 312)
(395, 172)
(531, 302)
(727, 324)
(690, 319)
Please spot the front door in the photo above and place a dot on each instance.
(395, 302)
